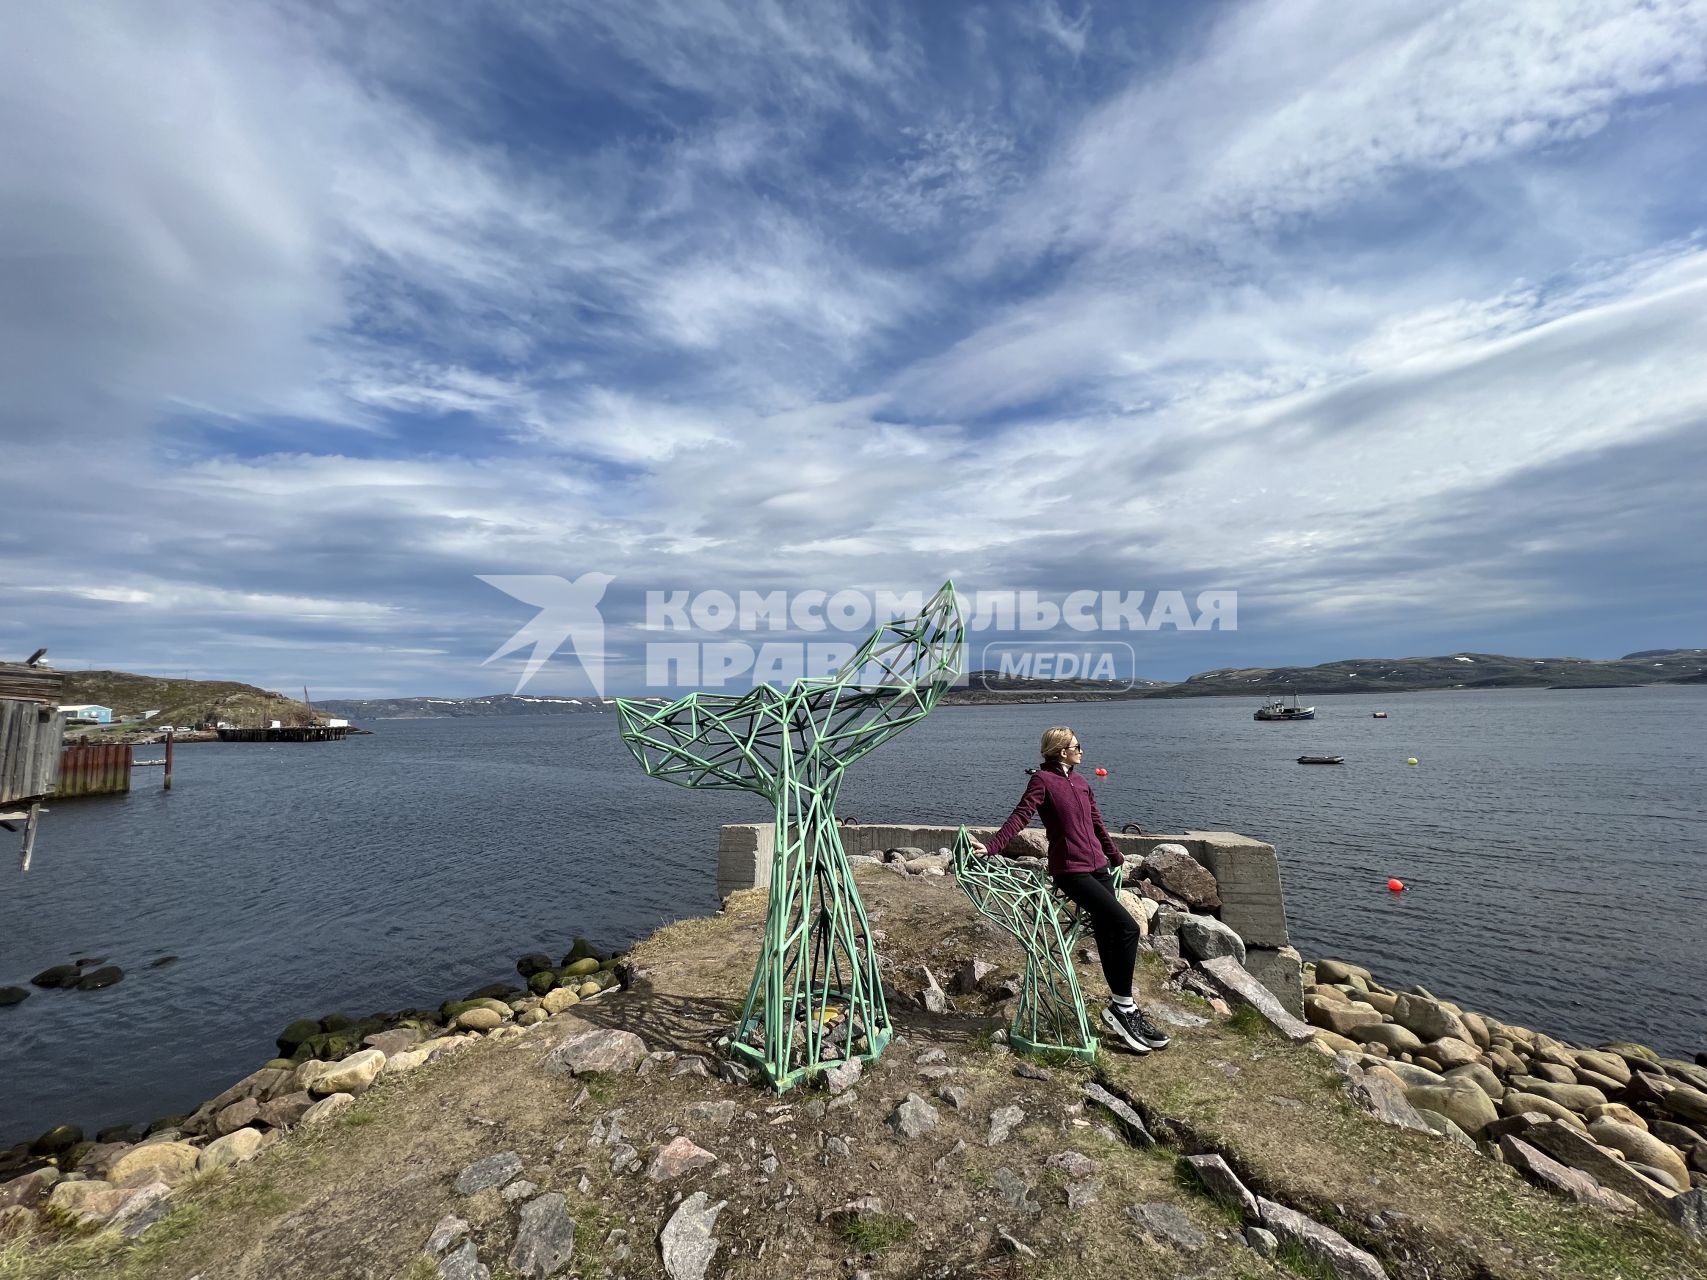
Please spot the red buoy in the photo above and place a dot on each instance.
(1397, 886)
(1102, 773)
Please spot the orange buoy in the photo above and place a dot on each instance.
(1397, 886)
(1102, 773)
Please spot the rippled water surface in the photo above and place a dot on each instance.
(1554, 845)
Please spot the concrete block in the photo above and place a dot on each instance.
(1281, 970)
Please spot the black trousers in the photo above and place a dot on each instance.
(1115, 930)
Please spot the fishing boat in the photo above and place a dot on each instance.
(1277, 709)
(1380, 715)
(1321, 759)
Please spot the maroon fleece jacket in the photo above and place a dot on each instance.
(1078, 841)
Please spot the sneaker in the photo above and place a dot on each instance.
(1125, 1025)
(1149, 1032)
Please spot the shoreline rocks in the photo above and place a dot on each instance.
(1615, 1125)
(124, 1179)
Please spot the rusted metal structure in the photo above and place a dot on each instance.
(94, 769)
(30, 733)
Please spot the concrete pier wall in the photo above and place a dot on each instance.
(1246, 871)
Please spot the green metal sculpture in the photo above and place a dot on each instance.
(1051, 1015)
(816, 996)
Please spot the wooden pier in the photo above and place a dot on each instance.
(30, 733)
(288, 733)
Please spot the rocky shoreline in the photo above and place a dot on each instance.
(1616, 1125)
(123, 1177)
(1616, 1128)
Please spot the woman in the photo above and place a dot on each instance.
(1080, 855)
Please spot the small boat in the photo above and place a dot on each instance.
(1380, 715)
(1277, 709)
(1321, 759)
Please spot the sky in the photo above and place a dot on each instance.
(1390, 319)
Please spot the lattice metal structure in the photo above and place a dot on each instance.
(816, 996)
(1051, 1014)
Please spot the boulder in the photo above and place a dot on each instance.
(686, 1243)
(1173, 868)
(327, 1108)
(579, 968)
(1003, 1121)
(483, 1175)
(1462, 1103)
(1479, 1076)
(1438, 1123)
(97, 979)
(1428, 1019)
(239, 1115)
(287, 1111)
(1576, 1097)
(1576, 1149)
(13, 995)
(970, 976)
(580, 949)
(1338, 1017)
(89, 1199)
(1643, 1148)
(1221, 1182)
(1325, 1246)
(1394, 1038)
(556, 1001)
(1233, 981)
(1477, 1028)
(1168, 1222)
(1604, 1064)
(913, 1117)
(1336, 971)
(1206, 938)
(480, 1019)
(844, 1076)
(1379, 1092)
(60, 975)
(168, 1162)
(679, 1156)
(532, 963)
(545, 1238)
(349, 1075)
(596, 1049)
(393, 1041)
(1450, 1052)
(28, 1190)
(1687, 1103)
(16, 1222)
(1549, 1173)
(1516, 1103)
(233, 1148)
(60, 1138)
(1616, 1111)
(1409, 1073)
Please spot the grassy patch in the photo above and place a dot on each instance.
(1247, 1021)
(1298, 1260)
(423, 1268)
(872, 1232)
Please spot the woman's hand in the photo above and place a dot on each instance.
(977, 845)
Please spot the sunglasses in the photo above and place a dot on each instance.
(1077, 746)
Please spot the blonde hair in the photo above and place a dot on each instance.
(1056, 739)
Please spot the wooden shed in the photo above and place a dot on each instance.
(30, 736)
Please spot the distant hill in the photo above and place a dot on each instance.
(497, 704)
(184, 702)
(1454, 671)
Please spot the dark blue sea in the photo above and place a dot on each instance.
(1555, 844)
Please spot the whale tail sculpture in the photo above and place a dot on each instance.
(816, 996)
(1051, 1014)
